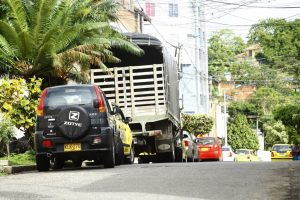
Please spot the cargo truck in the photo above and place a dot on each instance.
(146, 88)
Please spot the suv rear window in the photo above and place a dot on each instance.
(69, 96)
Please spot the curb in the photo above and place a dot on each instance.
(17, 168)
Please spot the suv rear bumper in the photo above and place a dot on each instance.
(89, 149)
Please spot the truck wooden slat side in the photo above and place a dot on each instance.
(148, 93)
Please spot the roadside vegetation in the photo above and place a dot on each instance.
(274, 71)
(46, 43)
(59, 40)
(197, 124)
(27, 158)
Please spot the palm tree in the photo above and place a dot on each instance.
(60, 39)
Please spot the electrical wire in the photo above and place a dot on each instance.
(249, 6)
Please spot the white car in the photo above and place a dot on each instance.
(228, 154)
(190, 147)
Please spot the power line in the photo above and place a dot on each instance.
(249, 6)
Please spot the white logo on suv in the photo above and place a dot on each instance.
(74, 115)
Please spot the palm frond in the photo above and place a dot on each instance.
(126, 46)
(26, 44)
(43, 18)
(9, 33)
(5, 47)
(17, 14)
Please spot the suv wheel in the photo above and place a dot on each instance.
(109, 157)
(119, 152)
(42, 163)
(77, 128)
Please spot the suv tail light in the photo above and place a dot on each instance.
(291, 154)
(47, 144)
(40, 111)
(101, 104)
(230, 154)
(272, 154)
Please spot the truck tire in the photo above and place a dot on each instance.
(178, 155)
(42, 163)
(167, 157)
(58, 163)
(77, 163)
(109, 157)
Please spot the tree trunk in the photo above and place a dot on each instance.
(7, 149)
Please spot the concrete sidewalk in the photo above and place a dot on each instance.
(8, 169)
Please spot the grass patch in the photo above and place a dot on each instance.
(27, 158)
(3, 174)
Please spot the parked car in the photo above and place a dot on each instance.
(281, 151)
(228, 154)
(76, 122)
(190, 147)
(209, 148)
(125, 134)
(245, 155)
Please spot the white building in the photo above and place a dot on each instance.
(181, 28)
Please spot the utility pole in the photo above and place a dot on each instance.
(196, 35)
(225, 118)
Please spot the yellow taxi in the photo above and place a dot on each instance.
(281, 151)
(245, 155)
(125, 134)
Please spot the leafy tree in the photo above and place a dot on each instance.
(279, 39)
(223, 46)
(6, 133)
(197, 124)
(18, 103)
(266, 100)
(59, 38)
(275, 133)
(290, 117)
(242, 107)
(240, 135)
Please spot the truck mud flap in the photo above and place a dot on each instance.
(164, 146)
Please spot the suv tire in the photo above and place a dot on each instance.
(73, 132)
(109, 157)
(119, 152)
(42, 163)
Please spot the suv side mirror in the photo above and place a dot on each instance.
(116, 110)
(127, 120)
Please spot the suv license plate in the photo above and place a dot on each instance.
(72, 147)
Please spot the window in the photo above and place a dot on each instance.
(173, 10)
(150, 9)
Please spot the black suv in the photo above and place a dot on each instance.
(75, 122)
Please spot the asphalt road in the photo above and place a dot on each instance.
(162, 181)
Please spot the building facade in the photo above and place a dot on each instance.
(180, 25)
